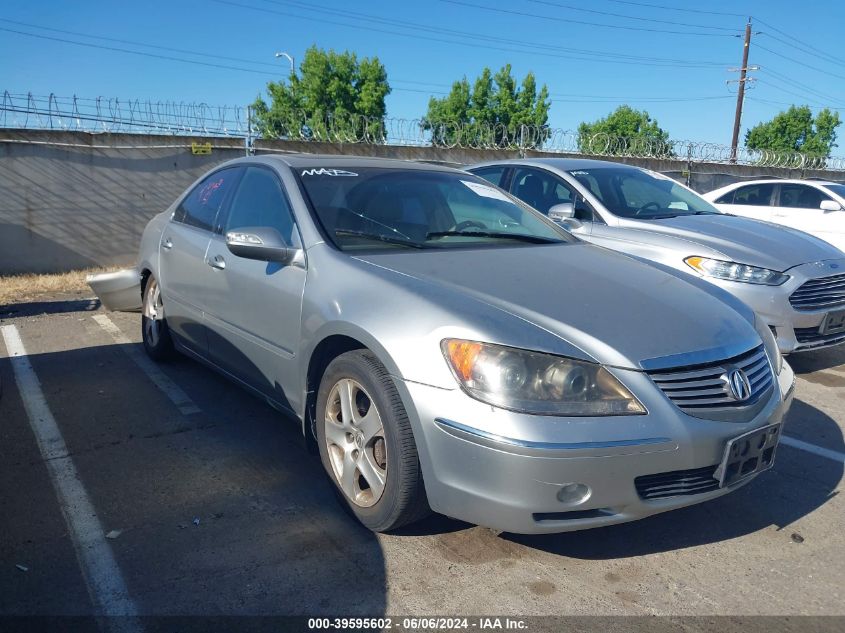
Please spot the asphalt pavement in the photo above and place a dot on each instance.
(173, 492)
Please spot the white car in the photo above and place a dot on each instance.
(815, 207)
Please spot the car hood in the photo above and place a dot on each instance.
(744, 240)
(619, 311)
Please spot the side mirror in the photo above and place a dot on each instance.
(830, 205)
(259, 242)
(562, 211)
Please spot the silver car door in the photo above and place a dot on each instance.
(183, 249)
(254, 307)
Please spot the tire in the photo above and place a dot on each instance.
(154, 331)
(369, 448)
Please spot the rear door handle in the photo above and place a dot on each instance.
(217, 262)
(167, 243)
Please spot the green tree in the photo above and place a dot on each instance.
(624, 132)
(796, 130)
(334, 97)
(494, 112)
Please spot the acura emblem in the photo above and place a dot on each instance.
(738, 386)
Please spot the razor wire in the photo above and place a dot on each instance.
(101, 114)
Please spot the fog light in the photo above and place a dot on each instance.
(573, 494)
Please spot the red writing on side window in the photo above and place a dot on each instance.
(209, 190)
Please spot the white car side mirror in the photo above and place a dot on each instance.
(830, 205)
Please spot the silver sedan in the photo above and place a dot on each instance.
(793, 281)
(405, 317)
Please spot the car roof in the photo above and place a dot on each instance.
(788, 181)
(565, 164)
(297, 161)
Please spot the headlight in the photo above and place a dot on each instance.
(770, 343)
(733, 271)
(532, 382)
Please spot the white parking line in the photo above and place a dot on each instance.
(812, 448)
(104, 581)
(170, 388)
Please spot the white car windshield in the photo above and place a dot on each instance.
(640, 194)
(839, 190)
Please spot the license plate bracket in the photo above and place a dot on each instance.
(747, 455)
(834, 322)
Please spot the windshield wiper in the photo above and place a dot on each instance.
(519, 237)
(380, 238)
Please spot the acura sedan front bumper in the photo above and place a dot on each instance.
(538, 474)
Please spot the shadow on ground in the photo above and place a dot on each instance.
(39, 308)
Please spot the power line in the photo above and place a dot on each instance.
(166, 57)
(141, 53)
(781, 103)
(800, 63)
(627, 99)
(787, 90)
(798, 84)
(627, 16)
(817, 51)
(571, 21)
(416, 27)
(134, 43)
(685, 10)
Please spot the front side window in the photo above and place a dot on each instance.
(801, 196)
(200, 207)
(540, 189)
(491, 174)
(260, 201)
(640, 194)
(390, 208)
(759, 195)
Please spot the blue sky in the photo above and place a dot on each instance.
(590, 69)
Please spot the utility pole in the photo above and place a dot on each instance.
(740, 93)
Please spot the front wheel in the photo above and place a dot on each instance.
(154, 330)
(366, 443)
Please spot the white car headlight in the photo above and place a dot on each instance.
(733, 271)
(533, 382)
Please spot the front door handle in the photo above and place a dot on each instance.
(167, 243)
(217, 262)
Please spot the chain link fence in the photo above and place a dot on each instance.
(28, 111)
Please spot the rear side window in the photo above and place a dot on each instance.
(754, 195)
(201, 206)
(260, 201)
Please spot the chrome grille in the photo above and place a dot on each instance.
(677, 483)
(817, 294)
(698, 389)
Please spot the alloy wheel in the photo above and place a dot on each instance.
(355, 441)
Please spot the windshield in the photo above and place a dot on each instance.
(839, 190)
(394, 208)
(641, 194)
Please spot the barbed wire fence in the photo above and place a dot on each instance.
(101, 114)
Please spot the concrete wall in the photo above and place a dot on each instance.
(71, 200)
